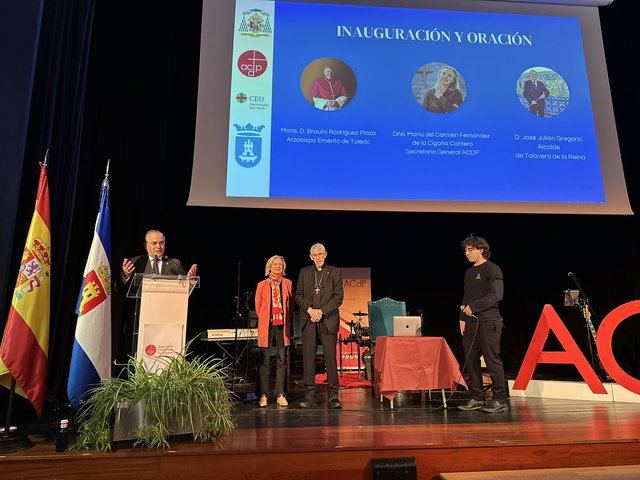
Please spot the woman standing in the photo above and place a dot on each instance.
(273, 305)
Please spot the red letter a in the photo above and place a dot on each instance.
(549, 320)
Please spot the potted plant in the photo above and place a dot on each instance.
(185, 395)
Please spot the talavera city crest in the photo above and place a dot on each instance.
(248, 145)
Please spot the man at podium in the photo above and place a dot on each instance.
(155, 261)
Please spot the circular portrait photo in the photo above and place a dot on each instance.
(328, 84)
(439, 87)
(543, 92)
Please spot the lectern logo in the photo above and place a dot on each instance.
(150, 350)
(248, 145)
(241, 97)
(255, 23)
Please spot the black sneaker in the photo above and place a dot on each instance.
(307, 403)
(335, 403)
(472, 404)
(496, 406)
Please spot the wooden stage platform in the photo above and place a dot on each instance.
(276, 443)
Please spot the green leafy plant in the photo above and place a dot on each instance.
(189, 392)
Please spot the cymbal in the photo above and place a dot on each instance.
(352, 324)
(360, 314)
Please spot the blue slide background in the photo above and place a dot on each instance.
(384, 102)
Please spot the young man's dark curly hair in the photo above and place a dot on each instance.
(477, 242)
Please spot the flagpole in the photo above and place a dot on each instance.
(7, 422)
(105, 182)
(16, 440)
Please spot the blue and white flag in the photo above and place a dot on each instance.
(91, 357)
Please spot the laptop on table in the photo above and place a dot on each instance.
(407, 326)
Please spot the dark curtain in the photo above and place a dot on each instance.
(19, 31)
(55, 123)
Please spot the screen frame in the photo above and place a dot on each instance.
(214, 97)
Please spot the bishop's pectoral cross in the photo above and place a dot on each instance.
(317, 284)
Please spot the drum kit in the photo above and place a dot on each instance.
(359, 330)
(359, 335)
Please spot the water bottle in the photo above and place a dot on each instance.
(62, 437)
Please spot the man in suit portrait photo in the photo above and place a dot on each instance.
(535, 93)
(319, 294)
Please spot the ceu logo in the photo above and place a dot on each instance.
(252, 102)
(255, 23)
(252, 63)
(248, 145)
(243, 97)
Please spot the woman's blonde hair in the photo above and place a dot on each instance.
(267, 267)
(456, 83)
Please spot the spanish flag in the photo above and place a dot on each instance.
(24, 348)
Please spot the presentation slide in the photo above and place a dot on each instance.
(335, 105)
(396, 104)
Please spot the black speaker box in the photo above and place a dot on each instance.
(394, 468)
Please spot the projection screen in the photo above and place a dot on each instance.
(449, 106)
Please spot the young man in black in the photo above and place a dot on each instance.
(481, 325)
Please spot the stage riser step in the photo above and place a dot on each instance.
(622, 472)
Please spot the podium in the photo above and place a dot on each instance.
(160, 325)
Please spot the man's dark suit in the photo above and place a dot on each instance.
(170, 266)
(532, 93)
(328, 299)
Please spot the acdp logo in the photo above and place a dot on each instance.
(150, 350)
(252, 63)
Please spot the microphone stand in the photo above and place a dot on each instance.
(237, 320)
(585, 309)
(247, 347)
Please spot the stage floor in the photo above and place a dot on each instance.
(290, 443)
(415, 422)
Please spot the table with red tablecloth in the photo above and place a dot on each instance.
(414, 363)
